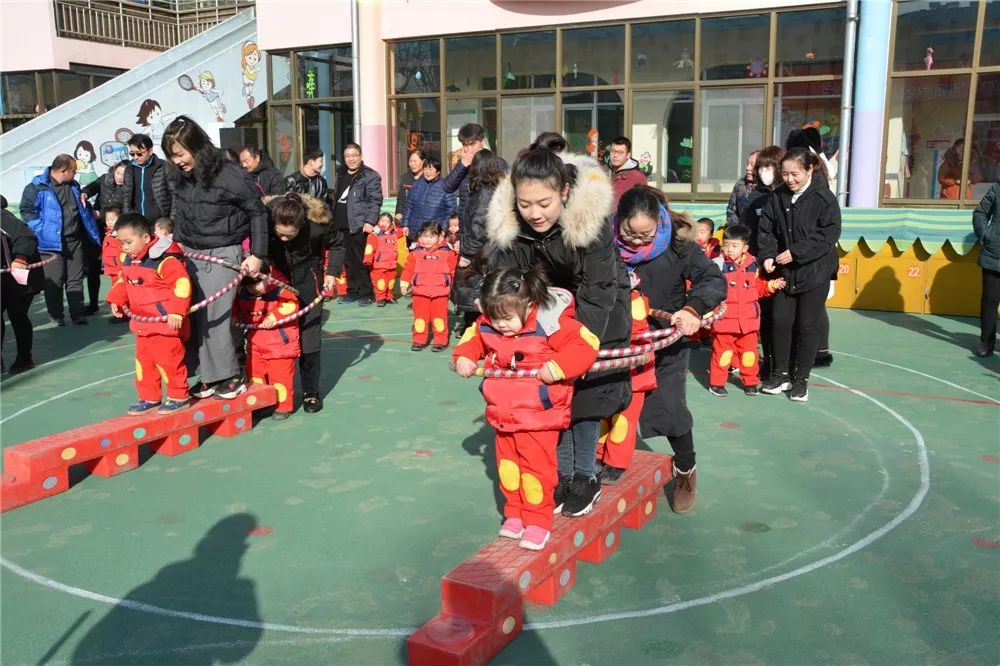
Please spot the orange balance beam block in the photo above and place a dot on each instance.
(482, 600)
(39, 468)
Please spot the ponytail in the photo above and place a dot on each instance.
(289, 210)
(509, 291)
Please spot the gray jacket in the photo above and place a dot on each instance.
(364, 201)
(986, 224)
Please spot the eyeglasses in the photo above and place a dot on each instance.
(639, 238)
(136, 154)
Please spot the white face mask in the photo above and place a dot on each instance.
(766, 176)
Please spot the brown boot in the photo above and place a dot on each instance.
(685, 485)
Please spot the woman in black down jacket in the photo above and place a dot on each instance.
(556, 214)
(20, 248)
(798, 234)
(485, 173)
(656, 244)
(216, 207)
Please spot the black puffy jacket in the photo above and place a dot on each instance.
(267, 177)
(19, 242)
(301, 258)
(664, 281)
(580, 256)
(314, 187)
(222, 214)
(157, 170)
(752, 211)
(809, 228)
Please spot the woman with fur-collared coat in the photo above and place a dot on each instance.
(304, 239)
(556, 213)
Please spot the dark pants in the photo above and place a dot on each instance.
(988, 306)
(665, 411)
(766, 336)
(359, 284)
(310, 333)
(93, 270)
(799, 317)
(67, 272)
(14, 303)
(824, 331)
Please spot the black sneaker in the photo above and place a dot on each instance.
(230, 388)
(21, 364)
(778, 383)
(439, 348)
(583, 492)
(364, 302)
(311, 403)
(800, 390)
(92, 309)
(417, 347)
(380, 304)
(718, 391)
(202, 390)
(560, 492)
(611, 475)
(752, 390)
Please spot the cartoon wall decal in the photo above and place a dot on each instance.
(757, 68)
(646, 164)
(929, 59)
(206, 88)
(250, 61)
(85, 157)
(152, 119)
(685, 61)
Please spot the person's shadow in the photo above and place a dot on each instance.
(480, 443)
(142, 629)
(351, 348)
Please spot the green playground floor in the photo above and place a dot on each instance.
(860, 528)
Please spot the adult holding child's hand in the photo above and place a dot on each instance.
(216, 208)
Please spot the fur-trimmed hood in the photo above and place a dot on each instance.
(585, 213)
(317, 212)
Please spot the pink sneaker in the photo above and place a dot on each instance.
(512, 528)
(534, 538)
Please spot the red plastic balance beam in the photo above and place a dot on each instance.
(482, 600)
(39, 468)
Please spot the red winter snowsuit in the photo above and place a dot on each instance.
(527, 414)
(381, 255)
(271, 352)
(616, 443)
(430, 272)
(112, 256)
(737, 333)
(154, 284)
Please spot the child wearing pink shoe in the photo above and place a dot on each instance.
(527, 325)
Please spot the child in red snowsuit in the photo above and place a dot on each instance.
(616, 443)
(154, 282)
(111, 248)
(381, 256)
(736, 334)
(271, 350)
(429, 272)
(527, 325)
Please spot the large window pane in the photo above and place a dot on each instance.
(926, 120)
(281, 76)
(934, 35)
(984, 160)
(816, 104)
(528, 60)
(328, 127)
(418, 66)
(990, 50)
(524, 118)
(811, 42)
(593, 56)
(662, 52)
(462, 111)
(735, 47)
(662, 137)
(471, 63)
(71, 85)
(284, 153)
(324, 73)
(19, 94)
(732, 125)
(417, 124)
(591, 120)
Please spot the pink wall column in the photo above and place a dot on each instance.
(372, 95)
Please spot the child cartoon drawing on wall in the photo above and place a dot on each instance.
(206, 88)
(85, 156)
(152, 118)
(250, 60)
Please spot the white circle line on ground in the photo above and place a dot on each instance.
(742, 590)
(922, 374)
(62, 395)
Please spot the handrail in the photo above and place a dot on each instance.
(155, 24)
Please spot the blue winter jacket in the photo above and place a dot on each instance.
(41, 210)
(427, 201)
